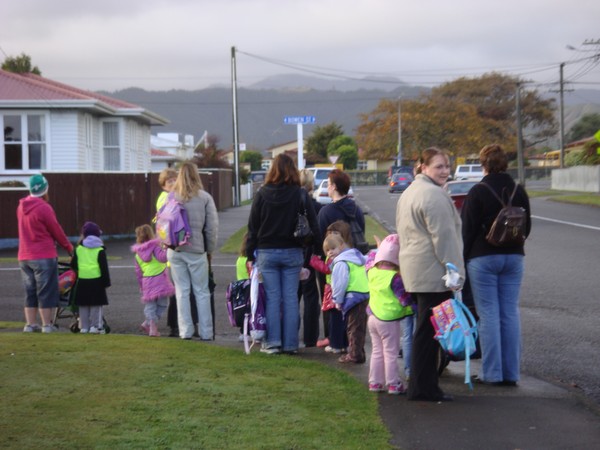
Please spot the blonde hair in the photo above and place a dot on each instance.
(343, 229)
(307, 180)
(188, 181)
(166, 174)
(144, 233)
(333, 241)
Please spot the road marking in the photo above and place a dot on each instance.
(564, 222)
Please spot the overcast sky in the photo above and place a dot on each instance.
(186, 44)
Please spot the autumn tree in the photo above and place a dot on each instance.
(210, 156)
(319, 140)
(460, 116)
(20, 64)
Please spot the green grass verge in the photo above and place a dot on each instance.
(116, 391)
(547, 193)
(580, 199)
(372, 227)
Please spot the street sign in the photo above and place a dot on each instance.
(299, 120)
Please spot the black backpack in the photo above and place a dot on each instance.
(358, 237)
(508, 228)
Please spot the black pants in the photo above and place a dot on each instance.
(423, 383)
(172, 312)
(312, 309)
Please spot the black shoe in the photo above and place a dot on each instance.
(445, 398)
(478, 380)
(174, 332)
(508, 383)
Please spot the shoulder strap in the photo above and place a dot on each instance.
(303, 199)
(496, 195)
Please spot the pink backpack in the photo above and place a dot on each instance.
(172, 225)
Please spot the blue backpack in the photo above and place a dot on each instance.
(456, 331)
(172, 225)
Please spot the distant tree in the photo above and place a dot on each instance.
(319, 140)
(585, 127)
(252, 157)
(339, 141)
(210, 156)
(460, 116)
(348, 156)
(20, 64)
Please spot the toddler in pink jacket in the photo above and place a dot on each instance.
(152, 276)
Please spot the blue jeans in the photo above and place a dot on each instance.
(496, 283)
(408, 328)
(280, 270)
(40, 279)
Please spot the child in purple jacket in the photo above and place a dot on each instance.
(152, 276)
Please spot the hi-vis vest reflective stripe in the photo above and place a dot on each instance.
(357, 278)
(151, 268)
(87, 262)
(382, 301)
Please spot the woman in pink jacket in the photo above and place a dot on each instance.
(39, 231)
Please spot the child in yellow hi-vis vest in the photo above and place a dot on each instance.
(89, 293)
(152, 276)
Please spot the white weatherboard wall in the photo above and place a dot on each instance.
(578, 178)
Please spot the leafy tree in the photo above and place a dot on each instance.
(460, 116)
(348, 156)
(585, 127)
(426, 122)
(321, 136)
(337, 142)
(252, 157)
(494, 96)
(20, 64)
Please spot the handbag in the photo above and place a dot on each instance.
(302, 231)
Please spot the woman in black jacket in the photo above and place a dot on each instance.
(278, 254)
(495, 273)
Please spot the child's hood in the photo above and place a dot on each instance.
(92, 242)
(145, 250)
(353, 256)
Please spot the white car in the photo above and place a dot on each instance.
(322, 196)
(468, 172)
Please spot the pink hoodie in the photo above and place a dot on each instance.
(39, 230)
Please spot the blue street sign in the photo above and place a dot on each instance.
(302, 120)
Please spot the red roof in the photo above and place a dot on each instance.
(29, 88)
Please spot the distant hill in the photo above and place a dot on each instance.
(262, 107)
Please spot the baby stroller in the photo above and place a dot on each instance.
(66, 309)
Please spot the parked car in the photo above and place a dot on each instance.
(400, 181)
(322, 196)
(320, 174)
(458, 191)
(468, 172)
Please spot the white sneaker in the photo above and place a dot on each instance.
(48, 329)
(94, 330)
(84, 331)
(34, 328)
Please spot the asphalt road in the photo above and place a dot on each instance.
(560, 299)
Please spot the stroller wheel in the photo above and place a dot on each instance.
(74, 327)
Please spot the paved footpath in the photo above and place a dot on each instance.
(534, 415)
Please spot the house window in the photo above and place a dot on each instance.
(362, 165)
(111, 146)
(24, 141)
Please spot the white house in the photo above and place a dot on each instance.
(50, 126)
(170, 148)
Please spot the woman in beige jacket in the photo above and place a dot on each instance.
(430, 236)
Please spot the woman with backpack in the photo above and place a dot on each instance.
(190, 262)
(495, 273)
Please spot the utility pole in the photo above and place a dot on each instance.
(520, 157)
(399, 160)
(236, 144)
(562, 117)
